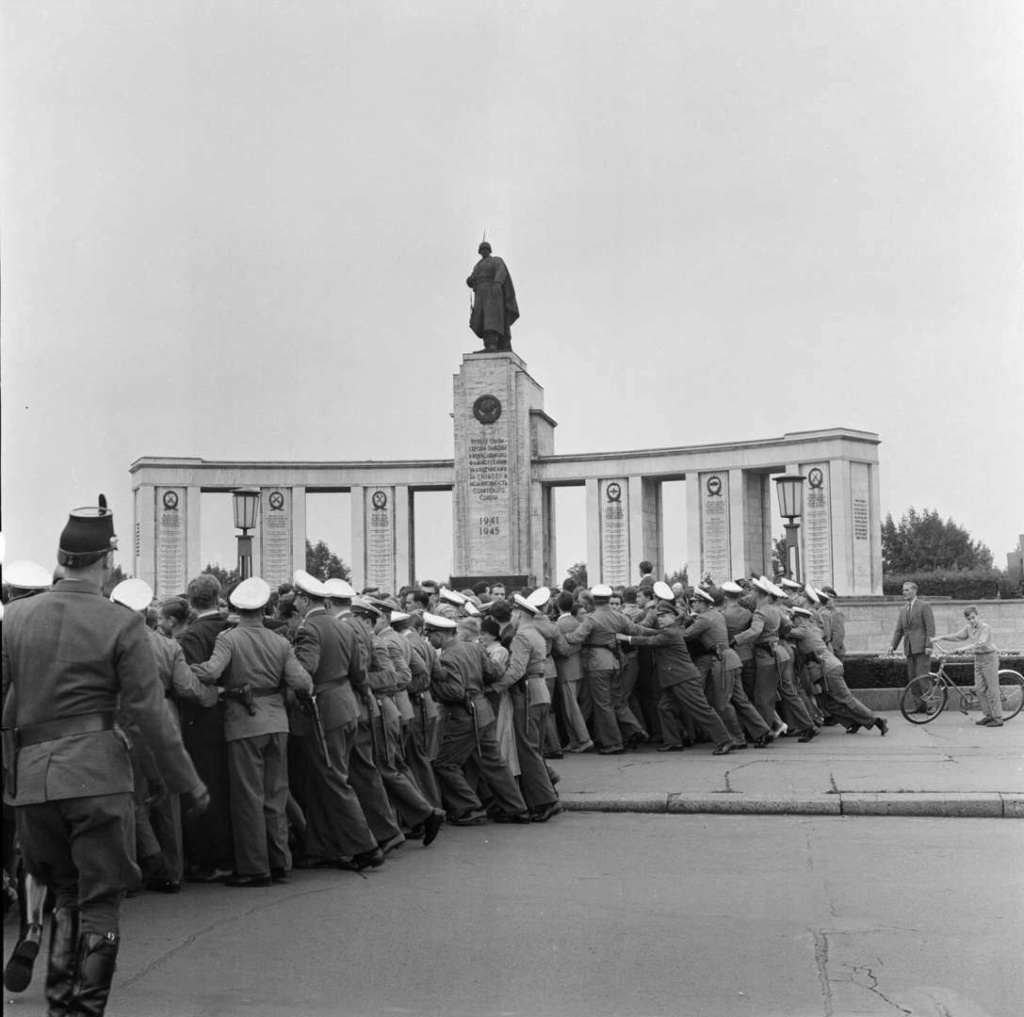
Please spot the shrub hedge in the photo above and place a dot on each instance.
(867, 671)
(969, 584)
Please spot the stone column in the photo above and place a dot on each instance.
(816, 526)
(652, 544)
(358, 499)
(714, 527)
(144, 543)
(298, 529)
(841, 505)
(273, 554)
(379, 537)
(494, 401)
(693, 556)
(171, 530)
(875, 529)
(615, 535)
(593, 531)
(403, 537)
(636, 529)
(737, 523)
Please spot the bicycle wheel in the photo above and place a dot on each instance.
(923, 699)
(1011, 692)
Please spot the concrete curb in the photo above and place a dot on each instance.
(944, 804)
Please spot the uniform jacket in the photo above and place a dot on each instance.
(259, 657)
(70, 652)
(764, 629)
(568, 661)
(915, 626)
(737, 620)
(810, 641)
(710, 629)
(329, 652)
(670, 654)
(465, 668)
(837, 621)
(176, 677)
(596, 633)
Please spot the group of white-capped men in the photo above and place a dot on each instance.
(368, 725)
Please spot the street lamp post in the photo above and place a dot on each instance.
(791, 505)
(247, 504)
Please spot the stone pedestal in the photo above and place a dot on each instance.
(500, 425)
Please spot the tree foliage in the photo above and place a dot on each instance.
(226, 578)
(579, 573)
(780, 556)
(923, 542)
(324, 564)
(681, 575)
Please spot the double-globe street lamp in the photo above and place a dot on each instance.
(791, 505)
(247, 504)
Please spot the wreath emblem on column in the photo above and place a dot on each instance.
(379, 500)
(276, 501)
(170, 500)
(487, 409)
(714, 486)
(613, 492)
(816, 478)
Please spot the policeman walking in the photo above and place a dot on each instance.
(73, 659)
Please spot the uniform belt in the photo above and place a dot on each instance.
(263, 692)
(65, 727)
(331, 683)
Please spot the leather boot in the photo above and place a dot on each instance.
(62, 967)
(97, 958)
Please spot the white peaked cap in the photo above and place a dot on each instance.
(601, 590)
(521, 602)
(136, 594)
(435, 621)
(250, 594)
(338, 589)
(540, 596)
(27, 575)
(663, 591)
(309, 584)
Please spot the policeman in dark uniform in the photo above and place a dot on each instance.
(73, 659)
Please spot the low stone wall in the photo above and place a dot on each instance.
(871, 623)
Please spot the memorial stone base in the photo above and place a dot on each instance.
(500, 425)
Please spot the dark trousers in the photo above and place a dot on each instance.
(686, 699)
(368, 785)
(258, 769)
(528, 723)
(207, 838)
(612, 718)
(83, 849)
(335, 823)
(420, 749)
(405, 796)
(459, 744)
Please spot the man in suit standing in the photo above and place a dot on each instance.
(74, 661)
(916, 627)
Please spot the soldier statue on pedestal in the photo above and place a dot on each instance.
(494, 301)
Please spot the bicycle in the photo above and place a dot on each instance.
(924, 698)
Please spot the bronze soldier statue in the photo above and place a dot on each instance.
(494, 301)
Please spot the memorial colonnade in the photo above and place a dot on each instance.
(503, 479)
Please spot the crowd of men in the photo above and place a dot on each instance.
(237, 735)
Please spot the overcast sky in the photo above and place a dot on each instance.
(242, 230)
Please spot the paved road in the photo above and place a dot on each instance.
(598, 915)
